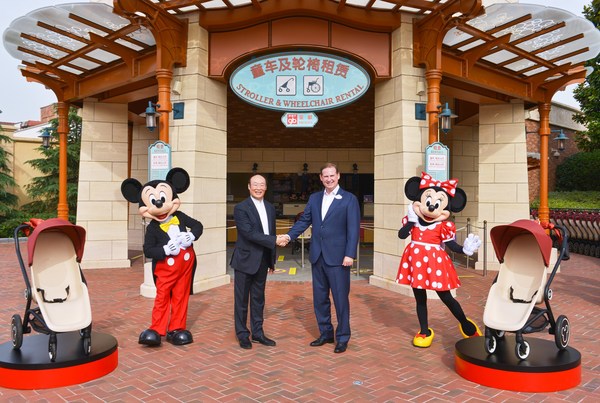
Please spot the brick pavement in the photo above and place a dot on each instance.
(380, 365)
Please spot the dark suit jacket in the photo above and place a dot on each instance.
(251, 239)
(337, 235)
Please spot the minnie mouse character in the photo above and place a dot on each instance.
(169, 244)
(425, 265)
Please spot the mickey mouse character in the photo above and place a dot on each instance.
(169, 244)
(425, 265)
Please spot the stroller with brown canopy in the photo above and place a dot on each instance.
(514, 302)
(57, 295)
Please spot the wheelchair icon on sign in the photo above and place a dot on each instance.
(313, 85)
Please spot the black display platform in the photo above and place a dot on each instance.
(30, 366)
(546, 369)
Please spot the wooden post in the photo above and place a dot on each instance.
(434, 78)
(544, 210)
(63, 131)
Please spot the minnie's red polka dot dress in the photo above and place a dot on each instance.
(424, 263)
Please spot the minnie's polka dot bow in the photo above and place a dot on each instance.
(428, 182)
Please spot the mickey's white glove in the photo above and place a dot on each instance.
(472, 243)
(412, 216)
(185, 239)
(171, 248)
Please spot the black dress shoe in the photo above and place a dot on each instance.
(179, 337)
(340, 347)
(150, 338)
(320, 341)
(264, 340)
(245, 343)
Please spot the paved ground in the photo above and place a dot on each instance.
(380, 365)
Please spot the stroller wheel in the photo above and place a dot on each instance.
(52, 347)
(87, 345)
(562, 333)
(499, 334)
(16, 331)
(490, 344)
(522, 350)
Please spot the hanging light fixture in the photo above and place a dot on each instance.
(445, 118)
(561, 138)
(151, 114)
(46, 137)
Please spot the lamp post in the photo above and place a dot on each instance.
(151, 114)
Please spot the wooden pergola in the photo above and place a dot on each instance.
(127, 53)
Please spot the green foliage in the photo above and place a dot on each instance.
(571, 200)
(44, 189)
(8, 201)
(8, 225)
(588, 94)
(579, 172)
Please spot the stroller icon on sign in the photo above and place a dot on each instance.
(286, 85)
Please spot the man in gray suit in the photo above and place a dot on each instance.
(253, 257)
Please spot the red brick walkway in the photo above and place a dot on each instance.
(380, 365)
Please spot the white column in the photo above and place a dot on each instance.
(503, 182)
(400, 141)
(101, 209)
(199, 145)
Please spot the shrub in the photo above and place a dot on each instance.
(571, 200)
(579, 172)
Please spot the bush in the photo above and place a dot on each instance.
(571, 200)
(579, 172)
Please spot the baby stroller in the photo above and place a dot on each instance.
(523, 249)
(58, 287)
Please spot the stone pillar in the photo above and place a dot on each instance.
(101, 209)
(199, 145)
(400, 141)
(503, 182)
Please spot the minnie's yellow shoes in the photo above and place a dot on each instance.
(477, 331)
(422, 340)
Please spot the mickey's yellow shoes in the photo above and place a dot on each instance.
(422, 340)
(477, 331)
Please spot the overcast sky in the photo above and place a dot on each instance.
(21, 100)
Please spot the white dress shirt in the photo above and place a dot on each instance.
(327, 200)
(262, 212)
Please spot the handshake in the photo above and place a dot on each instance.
(183, 240)
(282, 240)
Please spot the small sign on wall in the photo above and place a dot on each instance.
(159, 160)
(437, 161)
(307, 119)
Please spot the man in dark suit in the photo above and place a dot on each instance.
(335, 218)
(253, 257)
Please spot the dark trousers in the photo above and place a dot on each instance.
(336, 279)
(249, 289)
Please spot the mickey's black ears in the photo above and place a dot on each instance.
(179, 179)
(411, 188)
(130, 189)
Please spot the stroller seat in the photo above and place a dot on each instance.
(519, 286)
(57, 286)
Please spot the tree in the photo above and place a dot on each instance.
(588, 93)
(44, 189)
(8, 200)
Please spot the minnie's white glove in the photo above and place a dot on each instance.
(472, 243)
(412, 216)
(171, 248)
(185, 239)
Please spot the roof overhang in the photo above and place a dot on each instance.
(94, 50)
